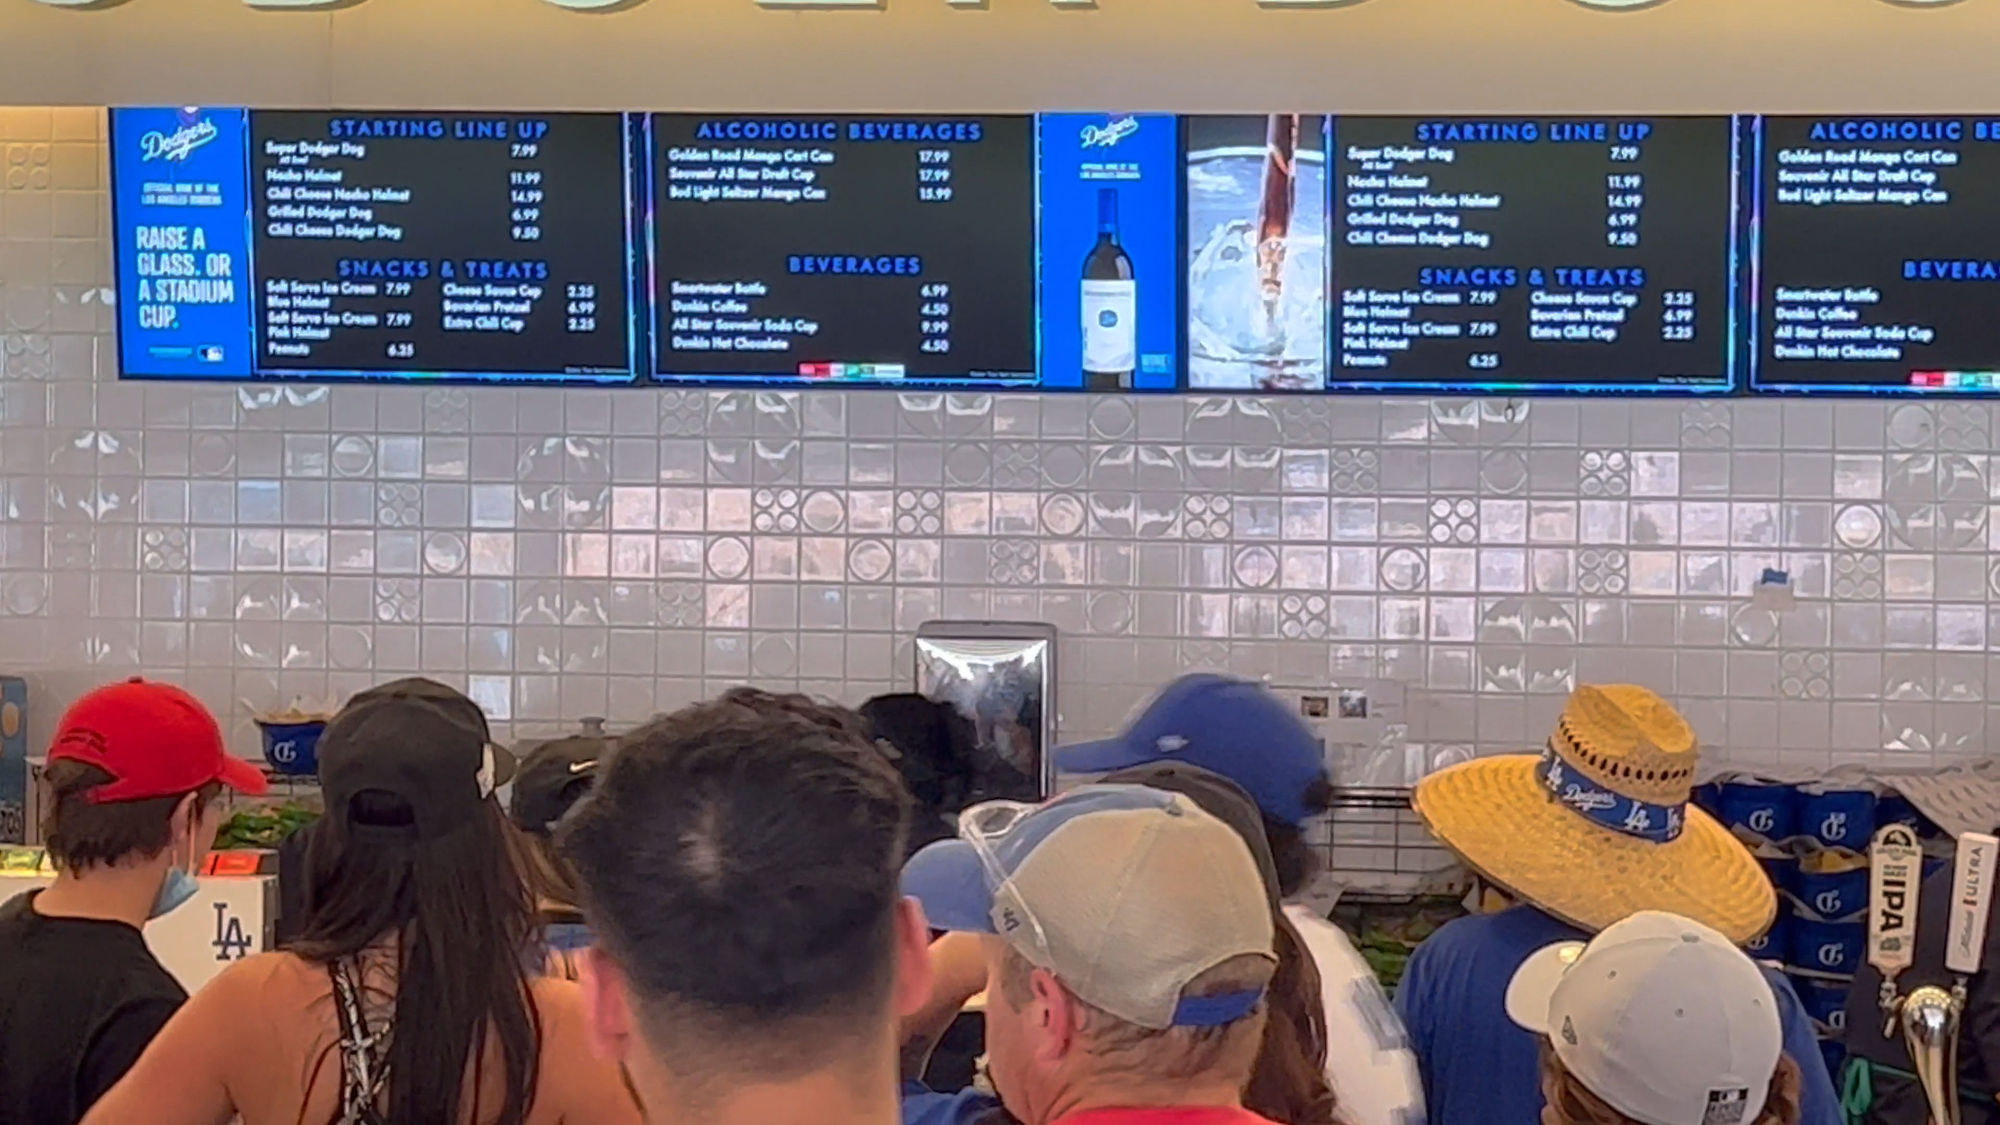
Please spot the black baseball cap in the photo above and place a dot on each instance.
(553, 777)
(418, 740)
(1220, 798)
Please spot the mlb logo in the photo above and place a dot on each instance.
(211, 353)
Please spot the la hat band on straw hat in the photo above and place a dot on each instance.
(1598, 826)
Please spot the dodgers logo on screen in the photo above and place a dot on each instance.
(195, 130)
(1110, 133)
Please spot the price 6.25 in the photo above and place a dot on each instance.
(402, 349)
(1483, 361)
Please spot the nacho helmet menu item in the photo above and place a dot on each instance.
(1881, 254)
(373, 245)
(1534, 253)
(849, 248)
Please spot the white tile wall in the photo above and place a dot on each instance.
(567, 553)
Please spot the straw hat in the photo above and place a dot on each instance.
(1598, 826)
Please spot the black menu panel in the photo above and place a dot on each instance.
(856, 249)
(441, 243)
(1534, 253)
(1880, 262)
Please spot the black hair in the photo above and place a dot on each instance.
(82, 833)
(462, 919)
(936, 750)
(740, 862)
(1289, 850)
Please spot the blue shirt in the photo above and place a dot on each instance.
(568, 937)
(1480, 1068)
(925, 1106)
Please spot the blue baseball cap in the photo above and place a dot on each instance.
(1127, 894)
(1228, 726)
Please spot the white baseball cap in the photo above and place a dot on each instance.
(1659, 1016)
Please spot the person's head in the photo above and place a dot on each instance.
(935, 747)
(799, 706)
(132, 781)
(1129, 946)
(739, 864)
(1288, 1082)
(553, 777)
(1659, 1020)
(1597, 825)
(415, 854)
(1243, 732)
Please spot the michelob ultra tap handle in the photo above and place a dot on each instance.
(1971, 902)
(1895, 879)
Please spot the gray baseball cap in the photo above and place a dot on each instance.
(1127, 894)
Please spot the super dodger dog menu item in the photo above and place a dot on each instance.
(1881, 254)
(859, 249)
(327, 245)
(1534, 252)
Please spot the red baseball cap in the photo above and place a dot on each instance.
(155, 740)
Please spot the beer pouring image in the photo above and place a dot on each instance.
(1257, 252)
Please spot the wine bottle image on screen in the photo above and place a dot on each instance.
(1110, 305)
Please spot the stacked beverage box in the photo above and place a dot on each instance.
(1812, 840)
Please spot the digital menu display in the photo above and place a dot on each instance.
(1110, 251)
(1880, 254)
(458, 242)
(843, 248)
(310, 245)
(1110, 247)
(1256, 252)
(1536, 253)
(181, 221)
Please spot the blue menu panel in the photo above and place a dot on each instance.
(182, 215)
(375, 245)
(1110, 248)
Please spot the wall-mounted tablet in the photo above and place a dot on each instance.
(1534, 254)
(1880, 255)
(371, 245)
(1256, 252)
(846, 249)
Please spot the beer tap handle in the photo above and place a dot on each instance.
(1895, 880)
(1971, 905)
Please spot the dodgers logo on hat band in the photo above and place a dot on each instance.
(1659, 824)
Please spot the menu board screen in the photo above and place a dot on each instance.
(1880, 255)
(1110, 250)
(1534, 253)
(329, 245)
(843, 248)
(1256, 252)
(449, 242)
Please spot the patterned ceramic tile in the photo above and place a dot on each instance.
(554, 550)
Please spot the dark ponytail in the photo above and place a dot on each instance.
(1288, 1083)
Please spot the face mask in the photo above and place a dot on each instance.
(178, 887)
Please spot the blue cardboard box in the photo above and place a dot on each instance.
(13, 760)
